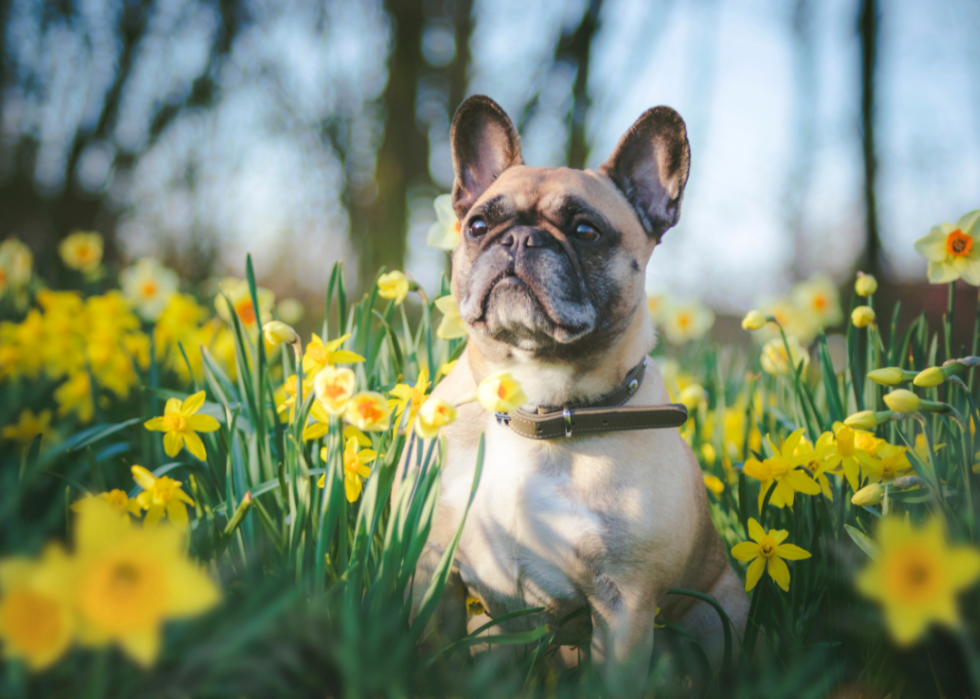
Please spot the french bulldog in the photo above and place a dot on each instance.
(549, 278)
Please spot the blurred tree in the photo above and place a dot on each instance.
(868, 30)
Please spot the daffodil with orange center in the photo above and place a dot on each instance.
(368, 411)
(953, 250)
(161, 495)
(409, 398)
(784, 470)
(917, 576)
(334, 387)
(319, 355)
(181, 423)
(131, 580)
(767, 552)
(356, 468)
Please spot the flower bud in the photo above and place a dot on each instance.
(394, 286)
(890, 376)
(903, 401)
(864, 420)
(276, 332)
(862, 316)
(434, 414)
(868, 496)
(927, 378)
(865, 284)
(754, 320)
(501, 393)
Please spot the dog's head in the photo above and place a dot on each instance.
(551, 260)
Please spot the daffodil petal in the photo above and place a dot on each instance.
(941, 273)
(352, 487)
(779, 571)
(932, 246)
(778, 535)
(192, 404)
(177, 513)
(745, 551)
(194, 591)
(195, 446)
(345, 357)
(756, 532)
(156, 425)
(172, 406)
(754, 572)
(791, 552)
(172, 443)
(202, 423)
(144, 479)
(153, 516)
(142, 645)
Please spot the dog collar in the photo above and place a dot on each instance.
(604, 414)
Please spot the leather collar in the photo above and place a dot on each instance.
(604, 414)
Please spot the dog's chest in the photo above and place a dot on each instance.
(532, 535)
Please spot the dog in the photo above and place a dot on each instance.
(549, 278)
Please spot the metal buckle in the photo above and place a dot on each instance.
(502, 419)
(567, 414)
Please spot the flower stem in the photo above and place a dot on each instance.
(949, 320)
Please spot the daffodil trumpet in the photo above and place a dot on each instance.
(892, 376)
(935, 375)
(869, 419)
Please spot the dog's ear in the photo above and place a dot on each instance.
(484, 143)
(650, 166)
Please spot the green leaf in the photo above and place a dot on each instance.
(864, 542)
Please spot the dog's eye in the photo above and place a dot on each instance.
(478, 227)
(586, 232)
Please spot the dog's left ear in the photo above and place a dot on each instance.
(484, 143)
(650, 166)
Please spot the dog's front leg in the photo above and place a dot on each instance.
(622, 633)
(448, 623)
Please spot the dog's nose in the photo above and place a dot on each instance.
(524, 237)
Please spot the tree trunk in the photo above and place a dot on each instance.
(868, 29)
(578, 48)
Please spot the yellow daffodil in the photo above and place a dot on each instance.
(149, 285)
(352, 432)
(927, 378)
(368, 411)
(37, 621)
(754, 320)
(409, 398)
(239, 295)
(692, 396)
(767, 552)
(16, 264)
(714, 484)
(318, 424)
(161, 496)
(922, 448)
(290, 311)
(816, 460)
(683, 321)
(655, 306)
(334, 387)
(434, 414)
(953, 250)
(862, 316)
(818, 298)
(892, 462)
(917, 576)
(902, 401)
(319, 355)
(501, 393)
(82, 251)
(355, 468)
(782, 469)
(445, 369)
(890, 376)
(844, 455)
(863, 420)
(444, 233)
(795, 322)
(27, 427)
(75, 396)
(288, 399)
(117, 499)
(131, 580)
(868, 496)
(181, 423)
(774, 359)
(276, 332)
(865, 285)
(452, 325)
(394, 286)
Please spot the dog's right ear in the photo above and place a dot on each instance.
(484, 143)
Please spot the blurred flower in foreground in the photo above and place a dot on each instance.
(774, 358)
(130, 580)
(409, 398)
(714, 484)
(181, 423)
(149, 286)
(290, 311)
(240, 296)
(16, 263)
(117, 499)
(655, 306)
(355, 468)
(334, 387)
(161, 496)
(28, 426)
(452, 325)
(276, 332)
(37, 622)
(82, 251)
(394, 286)
(685, 321)
(444, 233)
(767, 552)
(434, 414)
(953, 251)
(916, 577)
(818, 298)
(754, 320)
(500, 393)
(368, 411)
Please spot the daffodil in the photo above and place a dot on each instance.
(818, 298)
(902, 401)
(775, 360)
(444, 233)
(238, 293)
(409, 398)
(501, 393)
(452, 325)
(767, 552)
(288, 400)
(891, 376)
(868, 496)
(319, 355)
(276, 333)
(181, 423)
(754, 320)
(917, 577)
(922, 447)
(117, 499)
(394, 286)
(37, 619)
(892, 462)
(683, 321)
(131, 580)
(794, 321)
(865, 285)
(368, 411)
(714, 484)
(16, 264)
(953, 250)
(846, 456)
(75, 396)
(318, 423)
(816, 461)
(655, 306)
(355, 468)
(783, 469)
(149, 285)
(334, 387)
(27, 427)
(161, 495)
(434, 414)
(82, 251)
